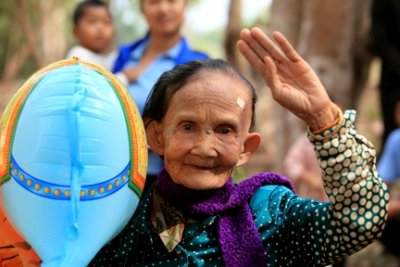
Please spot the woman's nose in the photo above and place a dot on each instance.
(205, 144)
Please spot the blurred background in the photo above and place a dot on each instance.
(332, 35)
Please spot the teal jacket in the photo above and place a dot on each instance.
(295, 231)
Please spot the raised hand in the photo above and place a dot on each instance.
(292, 81)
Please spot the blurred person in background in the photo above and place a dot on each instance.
(389, 169)
(302, 167)
(389, 162)
(94, 32)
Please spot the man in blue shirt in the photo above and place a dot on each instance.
(139, 64)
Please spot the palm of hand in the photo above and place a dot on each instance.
(292, 81)
(296, 87)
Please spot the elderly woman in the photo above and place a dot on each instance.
(200, 119)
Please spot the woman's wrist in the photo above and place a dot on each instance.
(324, 119)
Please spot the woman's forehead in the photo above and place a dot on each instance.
(214, 95)
(215, 86)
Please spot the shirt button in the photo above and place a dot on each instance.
(178, 251)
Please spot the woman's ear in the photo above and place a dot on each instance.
(250, 146)
(154, 137)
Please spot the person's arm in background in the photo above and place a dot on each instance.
(301, 166)
(129, 75)
(389, 162)
(389, 169)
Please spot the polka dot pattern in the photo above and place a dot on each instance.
(295, 231)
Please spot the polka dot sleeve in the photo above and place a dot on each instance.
(358, 198)
(304, 232)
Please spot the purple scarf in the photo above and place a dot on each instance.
(238, 236)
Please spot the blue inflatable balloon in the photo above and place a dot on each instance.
(73, 158)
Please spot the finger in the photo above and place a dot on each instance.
(248, 53)
(271, 75)
(264, 41)
(267, 68)
(286, 47)
(244, 33)
(260, 51)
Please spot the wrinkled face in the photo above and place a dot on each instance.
(95, 29)
(205, 130)
(164, 17)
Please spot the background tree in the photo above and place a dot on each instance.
(33, 37)
(332, 36)
(232, 33)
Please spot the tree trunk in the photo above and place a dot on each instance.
(44, 40)
(286, 17)
(53, 40)
(28, 31)
(232, 34)
(331, 35)
(14, 63)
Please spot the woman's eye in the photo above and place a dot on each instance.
(225, 129)
(187, 126)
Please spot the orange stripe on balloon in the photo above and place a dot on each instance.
(11, 114)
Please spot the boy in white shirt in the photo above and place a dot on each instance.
(94, 31)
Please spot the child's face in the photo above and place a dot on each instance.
(164, 17)
(95, 29)
(205, 132)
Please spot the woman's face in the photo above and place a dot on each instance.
(205, 129)
(164, 17)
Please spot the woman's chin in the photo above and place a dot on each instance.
(204, 183)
